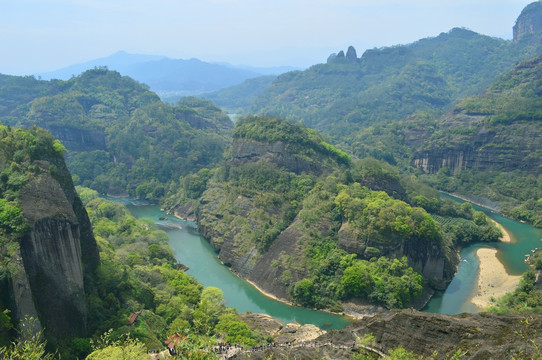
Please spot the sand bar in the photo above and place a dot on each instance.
(493, 280)
(505, 234)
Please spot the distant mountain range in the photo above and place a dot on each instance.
(170, 78)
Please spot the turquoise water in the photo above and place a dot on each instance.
(455, 299)
(192, 250)
(195, 252)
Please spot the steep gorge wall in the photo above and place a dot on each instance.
(529, 22)
(77, 139)
(58, 252)
(427, 257)
(512, 147)
(252, 151)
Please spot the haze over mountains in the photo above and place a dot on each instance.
(171, 78)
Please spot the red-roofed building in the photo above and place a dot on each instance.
(133, 318)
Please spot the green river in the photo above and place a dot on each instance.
(195, 252)
(455, 299)
(192, 250)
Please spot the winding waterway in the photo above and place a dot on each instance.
(195, 252)
(456, 298)
(192, 250)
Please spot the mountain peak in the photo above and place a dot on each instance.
(529, 21)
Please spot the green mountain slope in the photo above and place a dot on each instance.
(80, 281)
(304, 222)
(490, 145)
(121, 138)
(431, 75)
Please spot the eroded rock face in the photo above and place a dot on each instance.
(486, 150)
(269, 272)
(529, 22)
(477, 336)
(22, 294)
(52, 258)
(57, 252)
(252, 151)
(425, 256)
(263, 323)
(79, 139)
(292, 332)
(296, 333)
(480, 336)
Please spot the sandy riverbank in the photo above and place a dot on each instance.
(266, 293)
(493, 280)
(505, 234)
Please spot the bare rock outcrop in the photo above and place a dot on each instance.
(251, 151)
(58, 252)
(529, 21)
(476, 336)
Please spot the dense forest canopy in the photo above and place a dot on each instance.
(282, 204)
(389, 84)
(343, 215)
(121, 138)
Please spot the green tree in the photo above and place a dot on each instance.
(357, 281)
(29, 345)
(303, 292)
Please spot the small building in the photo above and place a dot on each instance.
(133, 317)
(172, 342)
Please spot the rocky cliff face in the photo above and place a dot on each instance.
(500, 148)
(79, 139)
(232, 250)
(57, 253)
(477, 336)
(270, 273)
(252, 151)
(480, 336)
(529, 22)
(426, 257)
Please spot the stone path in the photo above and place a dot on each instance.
(233, 350)
(236, 350)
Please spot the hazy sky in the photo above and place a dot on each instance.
(45, 35)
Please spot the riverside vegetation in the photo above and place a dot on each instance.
(136, 269)
(322, 228)
(409, 103)
(282, 206)
(121, 138)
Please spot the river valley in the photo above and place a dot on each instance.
(195, 252)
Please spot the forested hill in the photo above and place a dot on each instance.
(302, 220)
(490, 145)
(389, 84)
(120, 137)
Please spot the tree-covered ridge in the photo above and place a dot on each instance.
(350, 234)
(236, 98)
(20, 149)
(120, 136)
(307, 228)
(389, 84)
(500, 133)
(16, 91)
(298, 138)
(515, 96)
(376, 212)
